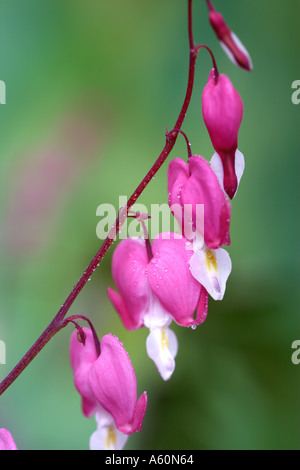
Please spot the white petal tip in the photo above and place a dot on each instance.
(217, 167)
(162, 347)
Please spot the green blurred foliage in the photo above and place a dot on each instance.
(96, 83)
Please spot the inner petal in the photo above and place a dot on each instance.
(157, 316)
(107, 436)
(211, 268)
(211, 260)
(162, 347)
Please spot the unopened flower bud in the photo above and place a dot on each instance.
(229, 42)
(222, 110)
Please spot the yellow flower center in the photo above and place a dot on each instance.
(210, 260)
(164, 340)
(111, 437)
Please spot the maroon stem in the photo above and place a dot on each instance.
(189, 151)
(50, 331)
(210, 5)
(72, 318)
(171, 137)
(216, 71)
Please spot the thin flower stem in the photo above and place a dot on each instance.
(58, 321)
(216, 71)
(80, 333)
(50, 331)
(72, 319)
(188, 144)
(141, 217)
(210, 5)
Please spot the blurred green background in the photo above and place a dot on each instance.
(90, 89)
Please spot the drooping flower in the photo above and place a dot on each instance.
(6, 440)
(197, 201)
(193, 186)
(222, 110)
(229, 41)
(154, 292)
(107, 385)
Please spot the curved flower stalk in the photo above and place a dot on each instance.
(229, 41)
(222, 110)
(193, 186)
(154, 292)
(6, 440)
(107, 385)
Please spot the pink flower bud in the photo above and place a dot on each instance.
(222, 110)
(230, 43)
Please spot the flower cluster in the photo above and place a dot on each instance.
(172, 277)
(169, 279)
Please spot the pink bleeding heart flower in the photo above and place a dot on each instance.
(229, 41)
(6, 440)
(197, 201)
(107, 385)
(154, 292)
(194, 186)
(222, 110)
